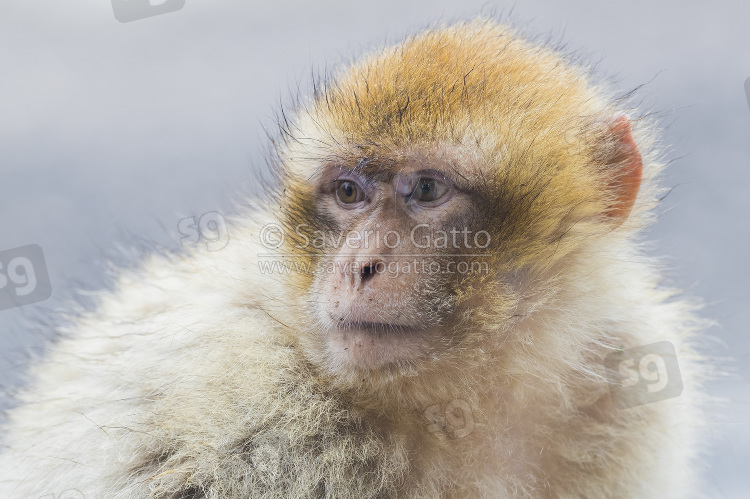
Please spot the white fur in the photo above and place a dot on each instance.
(201, 339)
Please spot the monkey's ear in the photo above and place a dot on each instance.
(626, 158)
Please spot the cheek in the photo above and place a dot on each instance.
(322, 296)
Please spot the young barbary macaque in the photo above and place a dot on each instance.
(423, 307)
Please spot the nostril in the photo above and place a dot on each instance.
(368, 272)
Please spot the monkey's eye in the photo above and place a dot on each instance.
(426, 190)
(349, 192)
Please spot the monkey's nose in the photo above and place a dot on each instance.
(368, 271)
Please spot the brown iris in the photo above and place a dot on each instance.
(349, 192)
(426, 190)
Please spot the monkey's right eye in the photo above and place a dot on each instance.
(349, 192)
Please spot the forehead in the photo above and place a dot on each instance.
(473, 101)
(453, 162)
(469, 99)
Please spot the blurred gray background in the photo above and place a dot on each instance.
(111, 132)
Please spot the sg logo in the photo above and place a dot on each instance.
(455, 420)
(643, 375)
(211, 227)
(68, 494)
(23, 277)
(133, 10)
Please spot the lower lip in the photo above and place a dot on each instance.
(378, 327)
(372, 345)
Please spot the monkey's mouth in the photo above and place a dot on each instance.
(372, 344)
(377, 328)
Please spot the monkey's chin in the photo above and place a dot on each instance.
(367, 346)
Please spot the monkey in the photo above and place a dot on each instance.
(422, 306)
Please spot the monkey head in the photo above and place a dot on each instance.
(429, 186)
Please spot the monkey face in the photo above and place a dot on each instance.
(412, 251)
(395, 244)
(428, 201)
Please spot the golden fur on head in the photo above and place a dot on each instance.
(503, 110)
(204, 376)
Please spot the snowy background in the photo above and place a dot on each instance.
(113, 132)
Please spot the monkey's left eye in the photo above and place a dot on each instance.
(349, 192)
(426, 190)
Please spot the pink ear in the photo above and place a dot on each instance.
(628, 158)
